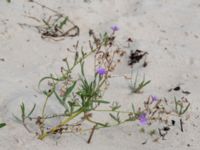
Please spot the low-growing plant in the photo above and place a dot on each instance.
(181, 106)
(137, 87)
(24, 116)
(81, 97)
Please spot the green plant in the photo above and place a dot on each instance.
(24, 116)
(181, 106)
(79, 95)
(82, 97)
(137, 87)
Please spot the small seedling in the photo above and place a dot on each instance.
(181, 106)
(24, 116)
(137, 87)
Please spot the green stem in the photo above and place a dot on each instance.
(44, 106)
(64, 122)
(113, 125)
(104, 110)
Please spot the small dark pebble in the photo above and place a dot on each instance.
(186, 92)
(145, 142)
(188, 145)
(145, 64)
(166, 128)
(2, 59)
(173, 122)
(177, 88)
(129, 40)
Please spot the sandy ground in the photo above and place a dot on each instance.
(167, 29)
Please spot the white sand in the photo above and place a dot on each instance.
(168, 29)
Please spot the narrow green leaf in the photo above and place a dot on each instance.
(186, 109)
(63, 23)
(101, 101)
(146, 83)
(69, 90)
(133, 108)
(101, 124)
(61, 101)
(82, 69)
(76, 58)
(115, 118)
(2, 125)
(17, 119)
(46, 23)
(141, 86)
(83, 53)
(22, 106)
(31, 111)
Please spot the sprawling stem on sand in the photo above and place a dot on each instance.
(64, 122)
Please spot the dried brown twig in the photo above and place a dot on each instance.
(55, 27)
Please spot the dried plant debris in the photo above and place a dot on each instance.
(136, 56)
(186, 92)
(173, 122)
(178, 88)
(181, 125)
(55, 27)
(162, 133)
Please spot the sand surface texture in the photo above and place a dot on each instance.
(167, 29)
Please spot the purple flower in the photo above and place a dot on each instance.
(115, 28)
(101, 71)
(154, 98)
(143, 119)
